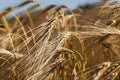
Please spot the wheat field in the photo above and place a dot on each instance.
(54, 44)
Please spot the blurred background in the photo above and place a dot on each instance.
(72, 4)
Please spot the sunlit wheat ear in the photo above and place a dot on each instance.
(58, 42)
(37, 64)
(29, 18)
(5, 23)
(7, 58)
(97, 31)
(22, 29)
(48, 70)
(3, 31)
(39, 32)
(108, 13)
(59, 9)
(48, 8)
(29, 15)
(112, 72)
(21, 26)
(32, 34)
(96, 72)
(7, 11)
(104, 71)
(101, 71)
(17, 19)
(25, 3)
(34, 7)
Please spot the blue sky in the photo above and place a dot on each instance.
(72, 4)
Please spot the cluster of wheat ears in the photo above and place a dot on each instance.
(54, 44)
